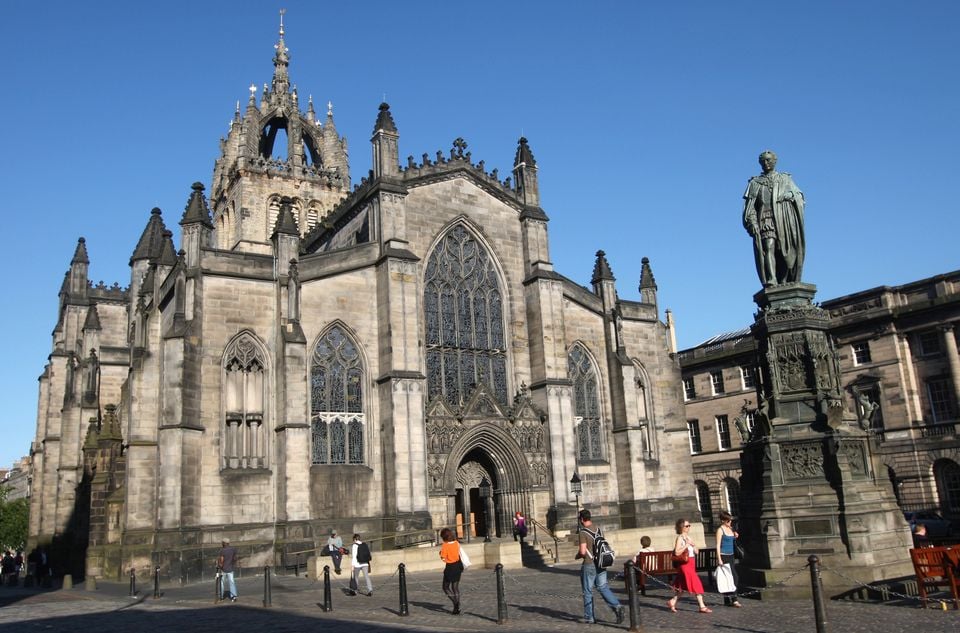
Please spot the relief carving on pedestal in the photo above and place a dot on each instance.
(802, 461)
(788, 362)
(855, 457)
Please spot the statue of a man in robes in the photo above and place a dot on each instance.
(773, 216)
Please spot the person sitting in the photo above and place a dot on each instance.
(920, 538)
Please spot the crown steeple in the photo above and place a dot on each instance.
(281, 63)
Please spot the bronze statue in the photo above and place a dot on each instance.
(773, 216)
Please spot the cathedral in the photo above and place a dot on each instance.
(389, 357)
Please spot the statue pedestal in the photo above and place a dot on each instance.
(810, 483)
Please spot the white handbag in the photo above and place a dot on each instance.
(464, 559)
(725, 582)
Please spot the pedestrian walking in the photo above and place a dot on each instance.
(685, 560)
(453, 556)
(360, 558)
(227, 561)
(592, 576)
(726, 537)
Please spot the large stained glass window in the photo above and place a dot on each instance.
(336, 400)
(463, 306)
(586, 404)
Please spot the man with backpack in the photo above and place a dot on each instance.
(597, 556)
(360, 562)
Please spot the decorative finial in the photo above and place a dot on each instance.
(329, 108)
(282, 11)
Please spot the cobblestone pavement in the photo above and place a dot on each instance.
(538, 600)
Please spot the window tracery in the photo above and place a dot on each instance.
(244, 437)
(336, 400)
(463, 306)
(586, 404)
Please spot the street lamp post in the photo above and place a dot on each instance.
(485, 495)
(576, 487)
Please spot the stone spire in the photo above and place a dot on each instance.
(80, 254)
(601, 269)
(168, 254)
(196, 211)
(92, 322)
(648, 285)
(151, 240)
(286, 225)
(386, 152)
(281, 62)
(525, 174)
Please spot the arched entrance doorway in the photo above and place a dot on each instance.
(480, 440)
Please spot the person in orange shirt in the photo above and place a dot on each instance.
(450, 554)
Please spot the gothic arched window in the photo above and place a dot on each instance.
(336, 400)
(463, 308)
(244, 437)
(586, 404)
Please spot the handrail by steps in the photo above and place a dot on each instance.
(540, 527)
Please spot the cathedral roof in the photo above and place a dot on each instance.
(196, 211)
(151, 241)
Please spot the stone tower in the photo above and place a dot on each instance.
(273, 151)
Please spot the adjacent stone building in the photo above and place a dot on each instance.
(317, 355)
(901, 376)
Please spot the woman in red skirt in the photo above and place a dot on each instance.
(686, 578)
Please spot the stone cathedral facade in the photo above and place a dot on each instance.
(321, 355)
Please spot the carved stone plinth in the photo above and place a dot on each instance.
(810, 482)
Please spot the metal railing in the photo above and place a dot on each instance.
(539, 528)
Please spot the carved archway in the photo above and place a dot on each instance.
(509, 447)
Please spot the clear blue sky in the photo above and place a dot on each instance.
(645, 118)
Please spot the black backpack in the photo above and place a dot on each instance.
(603, 554)
(363, 553)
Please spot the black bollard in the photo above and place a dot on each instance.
(133, 583)
(218, 587)
(816, 587)
(404, 607)
(630, 573)
(501, 596)
(267, 598)
(156, 582)
(327, 595)
(296, 566)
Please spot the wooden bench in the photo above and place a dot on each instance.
(936, 567)
(660, 563)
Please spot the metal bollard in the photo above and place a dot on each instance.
(133, 583)
(267, 598)
(816, 587)
(327, 595)
(630, 573)
(156, 582)
(218, 587)
(404, 607)
(501, 597)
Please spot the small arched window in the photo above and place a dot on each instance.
(336, 400)
(244, 437)
(586, 404)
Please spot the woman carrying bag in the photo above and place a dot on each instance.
(456, 561)
(727, 569)
(685, 560)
